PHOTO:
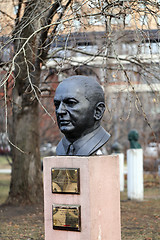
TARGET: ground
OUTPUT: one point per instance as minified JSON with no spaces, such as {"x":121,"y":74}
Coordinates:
{"x":139,"y":220}
{"x":24,"y":223}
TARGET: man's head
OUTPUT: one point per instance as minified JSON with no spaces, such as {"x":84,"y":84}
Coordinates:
{"x":79,"y":102}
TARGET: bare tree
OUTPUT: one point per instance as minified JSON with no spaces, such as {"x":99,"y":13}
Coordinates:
{"x":29,"y":37}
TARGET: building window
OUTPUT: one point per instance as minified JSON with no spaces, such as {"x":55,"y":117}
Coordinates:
{"x":128,"y":20}
{"x":15,"y":9}
{"x":77,"y":24}
{"x":116,"y":21}
{"x":143,"y":20}
{"x":76,"y":7}
{"x":93,"y":4}
{"x":60,"y":27}
{"x":97,"y":20}
{"x":60,"y":10}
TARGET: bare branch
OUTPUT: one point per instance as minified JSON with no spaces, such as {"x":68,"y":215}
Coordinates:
{"x":6,"y":14}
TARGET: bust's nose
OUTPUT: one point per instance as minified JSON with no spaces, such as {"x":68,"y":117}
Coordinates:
{"x":61,"y":109}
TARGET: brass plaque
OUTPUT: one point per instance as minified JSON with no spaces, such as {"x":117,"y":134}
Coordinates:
{"x":67,"y":217}
{"x":66,"y":180}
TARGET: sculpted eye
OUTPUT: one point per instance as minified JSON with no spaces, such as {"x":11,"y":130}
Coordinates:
{"x":56,"y":104}
{"x":71,"y":102}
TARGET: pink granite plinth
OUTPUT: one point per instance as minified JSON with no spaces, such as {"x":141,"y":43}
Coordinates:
{"x":99,"y":198}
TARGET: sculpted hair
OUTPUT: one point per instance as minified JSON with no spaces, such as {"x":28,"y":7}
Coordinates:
{"x":93,"y":90}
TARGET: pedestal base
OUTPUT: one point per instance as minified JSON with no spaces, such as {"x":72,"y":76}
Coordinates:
{"x":135,"y":187}
{"x":98,"y":201}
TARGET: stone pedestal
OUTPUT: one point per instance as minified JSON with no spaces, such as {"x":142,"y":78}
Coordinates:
{"x":121,"y":170}
{"x":99,"y":198}
{"x":135,"y":187}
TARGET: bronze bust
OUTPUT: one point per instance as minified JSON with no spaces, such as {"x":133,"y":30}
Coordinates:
{"x":79,"y":103}
{"x":133,"y":137}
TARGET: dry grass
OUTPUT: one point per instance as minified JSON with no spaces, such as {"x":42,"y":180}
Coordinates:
{"x":4,"y":187}
{"x":4,"y":163}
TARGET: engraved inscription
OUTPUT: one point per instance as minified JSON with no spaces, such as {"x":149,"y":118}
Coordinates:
{"x":65,"y":180}
{"x":67,"y":217}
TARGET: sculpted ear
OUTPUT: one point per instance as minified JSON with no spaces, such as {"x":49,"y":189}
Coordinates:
{"x":99,"y":110}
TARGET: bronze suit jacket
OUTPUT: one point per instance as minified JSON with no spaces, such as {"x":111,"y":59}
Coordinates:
{"x":85,"y":146}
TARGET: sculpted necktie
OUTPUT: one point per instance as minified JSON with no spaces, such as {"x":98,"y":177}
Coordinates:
{"x":71,"y":150}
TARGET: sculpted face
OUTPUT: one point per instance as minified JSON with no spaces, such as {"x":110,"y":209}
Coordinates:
{"x":75,"y":113}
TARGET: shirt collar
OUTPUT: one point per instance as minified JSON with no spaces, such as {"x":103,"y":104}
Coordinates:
{"x":80,"y":142}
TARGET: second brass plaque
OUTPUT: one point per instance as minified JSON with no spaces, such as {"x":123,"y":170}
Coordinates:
{"x":67,"y":217}
{"x":66,"y":180}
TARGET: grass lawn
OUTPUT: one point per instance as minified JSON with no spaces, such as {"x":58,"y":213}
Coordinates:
{"x":4,"y":163}
{"x":139,"y":220}
{"x":4,"y":187}
{"x":4,"y":179}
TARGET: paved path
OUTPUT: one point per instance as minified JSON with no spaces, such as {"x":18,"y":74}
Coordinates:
{"x":125,"y":170}
{"x":5,"y":171}
{"x":9,"y":170}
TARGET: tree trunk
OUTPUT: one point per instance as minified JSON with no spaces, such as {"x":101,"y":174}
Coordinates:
{"x":26,"y":179}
